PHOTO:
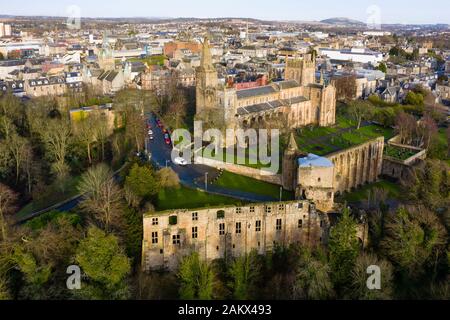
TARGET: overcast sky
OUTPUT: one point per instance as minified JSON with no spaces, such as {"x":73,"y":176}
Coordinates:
{"x":388,"y":11}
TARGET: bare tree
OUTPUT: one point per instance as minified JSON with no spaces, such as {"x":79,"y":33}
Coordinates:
{"x":360,"y":111}
{"x":405,"y":126}
{"x":102,"y":196}
{"x":18,"y":148}
{"x":55,"y":135}
{"x":7,"y":200}
{"x":86,"y":132}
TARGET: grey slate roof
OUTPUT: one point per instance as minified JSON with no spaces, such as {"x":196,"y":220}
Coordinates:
{"x":256,"y":108}
{"x":254,"y":92}
{"x":288,"y":84}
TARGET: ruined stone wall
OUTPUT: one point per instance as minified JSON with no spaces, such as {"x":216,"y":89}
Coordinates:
{"x":358,"y":165}
{"x":317,"y":184}
{"x":258,"y":174}
{"x":222,"y":233}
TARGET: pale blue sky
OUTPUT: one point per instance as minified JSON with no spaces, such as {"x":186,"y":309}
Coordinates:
{"x":392,"y":11}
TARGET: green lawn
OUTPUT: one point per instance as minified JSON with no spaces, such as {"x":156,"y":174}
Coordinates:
{"x":186,"y":198}
{"x":323,"y":141}
{"x":52,"y":196}
{"x":237,"y":182}
{"x":254,"y":163}
{"x":399,"y":153}
{"x":394,"y":192}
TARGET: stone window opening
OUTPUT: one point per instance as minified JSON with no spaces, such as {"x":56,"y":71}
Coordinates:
{"x":300,"y":223}
{"x":268,"y":209}
{"x":176,"y":239}
{"x":258,"y":226}
{"x":155,"y":221}
{"x":195,"y":216}
{"x":222,"y":229}
{"x":281,"y":207}
{"x":238,"y":210}
{"x":220,"y":214}
{"x":173,"y":220}
{"x":194,"y":232}
{"x":279,"y":224}
{"x":154,"y":237}
{"x":238,"y":228}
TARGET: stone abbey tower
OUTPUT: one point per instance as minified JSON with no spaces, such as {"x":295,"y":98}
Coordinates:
{"x":301,"y":70}
{"x":207,"y":82}
{"x":298,"y":100}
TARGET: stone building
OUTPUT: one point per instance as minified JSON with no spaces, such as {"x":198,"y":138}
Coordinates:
{"x":297,"y":101}
{"x":318,"y":179}
{"x":222,"y":233}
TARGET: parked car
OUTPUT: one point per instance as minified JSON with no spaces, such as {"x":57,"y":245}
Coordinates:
{"x":167,"y":139}
{"x":180,"y":161}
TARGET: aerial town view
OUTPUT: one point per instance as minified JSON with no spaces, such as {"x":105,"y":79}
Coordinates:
{"x":247,"y":151}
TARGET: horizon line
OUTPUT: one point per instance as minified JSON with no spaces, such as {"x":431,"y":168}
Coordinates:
{"x":207,"y":18}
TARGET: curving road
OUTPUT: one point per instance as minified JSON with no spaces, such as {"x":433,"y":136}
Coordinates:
{"x":193,"y":175}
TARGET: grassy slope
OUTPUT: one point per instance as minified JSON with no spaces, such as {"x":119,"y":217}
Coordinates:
{"x":190,"y":199}
{"x":394,"y":191}
{"x":237,"y":182}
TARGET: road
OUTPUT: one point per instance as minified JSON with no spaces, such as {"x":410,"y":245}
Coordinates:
{"x":193,"y":175}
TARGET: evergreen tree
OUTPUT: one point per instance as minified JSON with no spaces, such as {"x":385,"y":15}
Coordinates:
{"x":245,"y":272}
{"x":343,"y":249}
{"x":197,"y":279}
{"x":103,"y":260}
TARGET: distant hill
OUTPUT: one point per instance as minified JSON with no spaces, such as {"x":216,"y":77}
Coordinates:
{"x":343,"y":22}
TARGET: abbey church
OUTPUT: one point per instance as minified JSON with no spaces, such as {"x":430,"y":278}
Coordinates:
{"x":298,"y":100}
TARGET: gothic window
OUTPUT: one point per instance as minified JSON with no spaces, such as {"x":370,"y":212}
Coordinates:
{"x":194,"y":233}
{"x":258,"y":226}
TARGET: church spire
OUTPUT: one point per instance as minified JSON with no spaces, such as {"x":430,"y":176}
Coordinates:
{"x":292,"y":143}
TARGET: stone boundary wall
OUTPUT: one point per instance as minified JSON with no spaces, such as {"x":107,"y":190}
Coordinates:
{"x":257,"y":174}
